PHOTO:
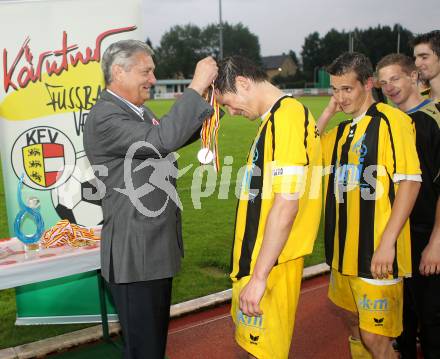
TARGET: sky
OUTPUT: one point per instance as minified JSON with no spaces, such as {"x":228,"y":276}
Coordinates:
{"x":282,"y":25}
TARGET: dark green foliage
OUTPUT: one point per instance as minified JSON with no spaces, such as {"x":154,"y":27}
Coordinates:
{"x":374,"y":42}
{"x":182,"y":46}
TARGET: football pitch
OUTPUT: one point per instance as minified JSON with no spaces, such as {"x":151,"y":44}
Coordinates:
{"x":208,"y":223}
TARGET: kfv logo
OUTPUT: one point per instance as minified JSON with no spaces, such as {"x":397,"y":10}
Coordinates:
{"x":373,"y":304}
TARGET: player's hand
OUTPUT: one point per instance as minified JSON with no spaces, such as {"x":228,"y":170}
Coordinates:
{"x":333,"y":107}
{"x":250,"y":297}
{"x":430,"y":262}
{"x":205,"y":73}
{"x":382,"y":262}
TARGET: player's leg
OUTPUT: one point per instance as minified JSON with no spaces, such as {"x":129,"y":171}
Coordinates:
{"x":358,"y":349}
{"x":379,"y":346}
{"x":380,"y":305}
{"x":270,"y":335}
{"x":341,"y":295}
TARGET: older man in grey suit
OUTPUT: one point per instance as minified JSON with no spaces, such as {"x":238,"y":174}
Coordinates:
{"x":141,"y":235}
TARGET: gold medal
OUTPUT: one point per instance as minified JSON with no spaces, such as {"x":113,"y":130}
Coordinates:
{"x":209,"y":134}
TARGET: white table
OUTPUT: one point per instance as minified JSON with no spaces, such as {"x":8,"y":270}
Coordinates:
{"x":20,"y":267}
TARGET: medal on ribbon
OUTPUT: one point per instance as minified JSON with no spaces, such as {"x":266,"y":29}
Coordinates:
{"x":209,"y":134}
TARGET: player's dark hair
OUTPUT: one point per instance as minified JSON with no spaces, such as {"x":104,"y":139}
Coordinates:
{"x":432,"y":38}
{"x":405,"y":62}
{"x":352,"y":61}
{"x":233,"y":66}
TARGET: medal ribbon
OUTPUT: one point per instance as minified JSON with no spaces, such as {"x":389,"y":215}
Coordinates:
{"x":210,"y":127}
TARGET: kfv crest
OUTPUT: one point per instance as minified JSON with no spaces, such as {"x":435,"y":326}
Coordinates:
{"x":45,"y":156}
{"x":44,"y":163}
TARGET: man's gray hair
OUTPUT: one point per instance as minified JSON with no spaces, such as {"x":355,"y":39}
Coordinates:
{"x":121,"y":53}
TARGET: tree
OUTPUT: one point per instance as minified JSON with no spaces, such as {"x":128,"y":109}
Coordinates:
{"x":375,"y":43}
{"x":179,"y":51}
{"x":333,"y":44}
{"x":311,"y":55}
{"x":382,"y":40}
{"x":182,"y":46}
{"x":295,"y":59}
{"x":237,"y":40}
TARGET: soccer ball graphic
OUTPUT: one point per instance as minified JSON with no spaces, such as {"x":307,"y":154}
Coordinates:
{"x":77,"y":200}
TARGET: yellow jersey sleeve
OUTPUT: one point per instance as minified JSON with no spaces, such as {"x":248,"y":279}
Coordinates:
{"x":293,"y":125}
{"x":404,"y":159}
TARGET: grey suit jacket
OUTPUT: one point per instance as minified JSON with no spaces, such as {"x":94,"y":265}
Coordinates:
{"x":138,"y":246}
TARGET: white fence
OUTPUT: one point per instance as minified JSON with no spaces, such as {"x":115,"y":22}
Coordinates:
{"x":308,"y":92}
{"x":167,"y":95}
{"x":294,"y":92}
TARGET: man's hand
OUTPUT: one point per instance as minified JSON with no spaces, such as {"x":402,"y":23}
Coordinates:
{"x":430,"y":262}
{"x":250,"y":297}
{"x":331,"y":109}
{"x":382,"y":262}
{"x":205,"y":73}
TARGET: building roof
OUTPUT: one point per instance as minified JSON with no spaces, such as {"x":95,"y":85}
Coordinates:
{"x":273,"y":62}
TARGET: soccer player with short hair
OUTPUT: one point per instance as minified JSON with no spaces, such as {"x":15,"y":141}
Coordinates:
{"x":427,"y":59}
{"x":278,"y":210}
{"x":397,"y":75}
{"x":371,"y":183}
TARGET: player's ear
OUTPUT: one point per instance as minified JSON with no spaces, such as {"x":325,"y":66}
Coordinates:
{"x":369,"y":84}
{"x":414,"y":77}
{"x":242,"y":82}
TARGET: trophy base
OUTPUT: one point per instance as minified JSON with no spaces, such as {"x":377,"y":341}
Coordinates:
{"x":32,"y":246}
{"x":31,"y":249}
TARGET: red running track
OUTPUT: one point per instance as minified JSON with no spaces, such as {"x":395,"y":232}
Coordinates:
{"x":319,"y":333}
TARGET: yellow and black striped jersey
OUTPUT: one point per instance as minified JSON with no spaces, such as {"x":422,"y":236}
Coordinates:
{"x":430,"y":108}
{"x":364,"y":163}
{"x":426,"y":93}
{"x":285,"y":157}
{"x":426,"y":117}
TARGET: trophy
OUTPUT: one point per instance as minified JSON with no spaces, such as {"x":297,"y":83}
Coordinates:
{"x":30,"y":211}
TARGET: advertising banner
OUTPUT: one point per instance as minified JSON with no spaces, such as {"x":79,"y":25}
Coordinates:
{"x":50,"y":78}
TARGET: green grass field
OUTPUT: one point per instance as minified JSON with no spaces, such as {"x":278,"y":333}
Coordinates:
{"x":207,"y":231}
